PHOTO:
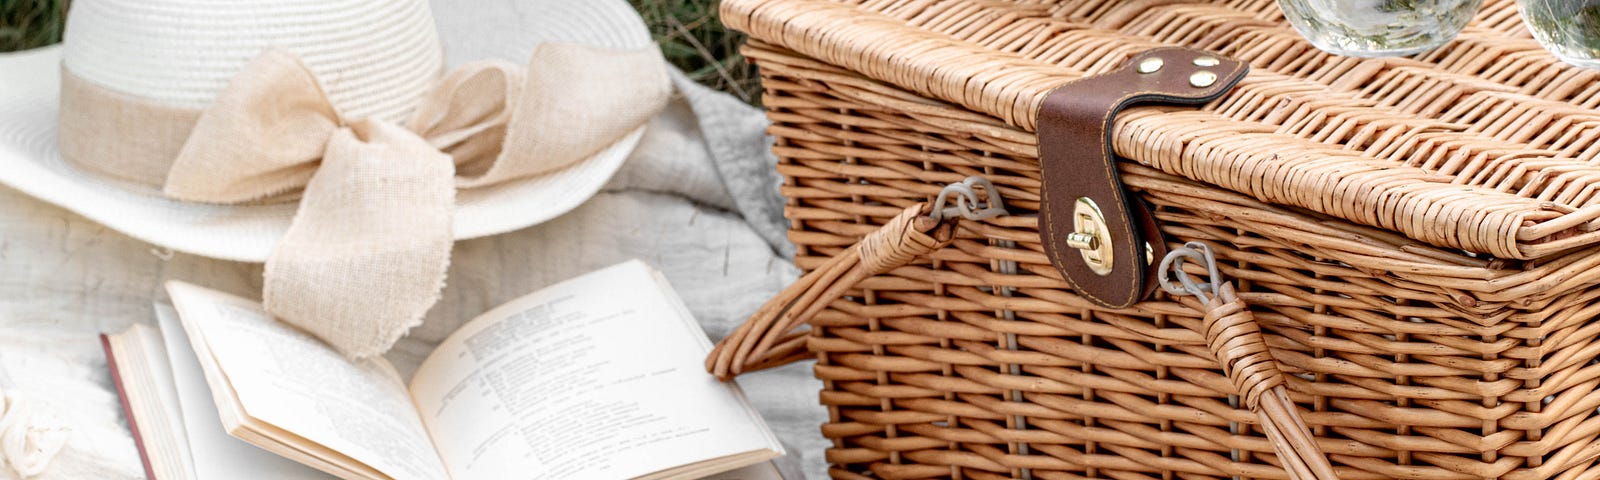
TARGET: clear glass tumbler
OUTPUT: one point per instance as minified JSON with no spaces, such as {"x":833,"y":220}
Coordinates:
{"x":1570,"y":29}
{"x":1378,"y":28}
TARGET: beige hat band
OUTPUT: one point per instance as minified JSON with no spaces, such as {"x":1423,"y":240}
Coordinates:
{"x":91,"y":113}
{"x":366,"y":253}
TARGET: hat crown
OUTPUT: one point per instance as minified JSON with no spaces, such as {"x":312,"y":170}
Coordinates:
{"x":374,"y":58}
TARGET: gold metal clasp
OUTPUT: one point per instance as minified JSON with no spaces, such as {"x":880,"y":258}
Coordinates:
{"x":1083,"y":241}
{"x":1091,"y":236}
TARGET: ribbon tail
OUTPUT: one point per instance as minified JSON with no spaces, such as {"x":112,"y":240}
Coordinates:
{"x":571,"y":102}
{"x":366,"y":254}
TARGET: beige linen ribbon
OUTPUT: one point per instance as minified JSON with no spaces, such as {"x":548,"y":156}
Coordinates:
{"x":366,"y":253}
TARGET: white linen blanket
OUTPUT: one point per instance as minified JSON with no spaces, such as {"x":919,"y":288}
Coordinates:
{"x":697,"y":201}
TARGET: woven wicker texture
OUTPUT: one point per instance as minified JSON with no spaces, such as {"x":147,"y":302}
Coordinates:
{"x":1412,"y":235}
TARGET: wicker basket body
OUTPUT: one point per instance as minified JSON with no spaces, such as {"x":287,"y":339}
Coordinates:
{"x":1412,"y":235}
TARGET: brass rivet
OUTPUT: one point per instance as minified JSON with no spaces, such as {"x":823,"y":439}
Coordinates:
{"x":1151,"y":65}
{"x":1202,"y":79}
{"x":1207,"y":61}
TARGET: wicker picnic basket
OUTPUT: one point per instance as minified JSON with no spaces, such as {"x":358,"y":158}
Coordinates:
{"x":1405,"y":246}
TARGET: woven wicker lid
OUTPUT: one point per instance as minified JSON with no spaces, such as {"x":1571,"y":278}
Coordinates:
{"x":1483,"y":145}
{"x":375,"y":58}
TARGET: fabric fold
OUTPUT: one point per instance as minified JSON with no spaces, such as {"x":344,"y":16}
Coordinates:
{"x":367,"y":251}
{"x":373,"y":229}
{"x":260,"y":137}
{"x":548,"y":130}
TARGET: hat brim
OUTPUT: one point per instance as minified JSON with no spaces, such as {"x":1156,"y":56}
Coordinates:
{"x":31,"y":163}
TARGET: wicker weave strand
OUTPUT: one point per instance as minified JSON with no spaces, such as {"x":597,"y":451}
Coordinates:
{"x":767,"y":339}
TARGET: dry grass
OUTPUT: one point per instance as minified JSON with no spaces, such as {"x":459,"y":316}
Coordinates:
{"x":27,"y":24}
{"x":692,"y":37}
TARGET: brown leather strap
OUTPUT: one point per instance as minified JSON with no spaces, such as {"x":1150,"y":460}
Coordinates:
{"x":1075,"y":156}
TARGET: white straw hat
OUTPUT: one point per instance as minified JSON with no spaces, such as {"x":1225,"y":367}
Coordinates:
{"x":368,"y":73}
{"x":109,"y":42}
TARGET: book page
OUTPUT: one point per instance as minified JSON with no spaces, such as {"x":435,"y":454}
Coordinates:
{"x":759,"y":471}
{"x":138,"y":361}
{"x":215,"y":454}
{"x":160,"y":371}
{"x":599,"y":377}
{"x":289,"y":380}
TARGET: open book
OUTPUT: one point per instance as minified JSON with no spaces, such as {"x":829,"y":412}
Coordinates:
{"x":596,"y":377}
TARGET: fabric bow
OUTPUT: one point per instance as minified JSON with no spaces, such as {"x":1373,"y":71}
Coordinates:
{"x":366,"y":254}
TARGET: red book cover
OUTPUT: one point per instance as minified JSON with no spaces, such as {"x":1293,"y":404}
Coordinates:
{"x":127,"y":410}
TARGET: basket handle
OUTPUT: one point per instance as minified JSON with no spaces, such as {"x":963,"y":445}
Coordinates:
{"x":1232,"y":334}
{"x":769,"y":338}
